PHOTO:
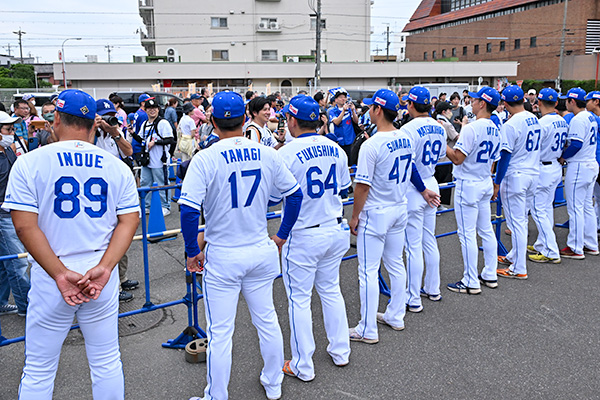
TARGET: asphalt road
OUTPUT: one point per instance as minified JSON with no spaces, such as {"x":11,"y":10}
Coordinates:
{"x":534,"y":339}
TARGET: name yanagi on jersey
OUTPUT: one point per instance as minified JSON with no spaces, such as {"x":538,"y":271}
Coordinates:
{"x":239,"y":155}
{"x":323,"y":150}
{"x":68,"y":159}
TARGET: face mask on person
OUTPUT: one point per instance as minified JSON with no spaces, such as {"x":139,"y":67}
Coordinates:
{"x":7,"y":140}
{"x":49,"y":117}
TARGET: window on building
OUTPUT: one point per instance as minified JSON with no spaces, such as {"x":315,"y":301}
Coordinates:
{"x":488,"y":48}
{"x":533,"y":41}
{"x":218,"y":22}
{"x":220,"y":55}
{"x":269,"y":55}
{"x":465,"y":50}
{"x":517,"y":44}
{"x":313,"y":53}
{"x":401,"y":50}
{"x":476,"y":49}
{"x":434,"y":54}
{"x":502,"y":45}
{"x":425,"y":56}
{"x":454,"y":52}
{"x":444,"y":53}
{"x":313,"y":23}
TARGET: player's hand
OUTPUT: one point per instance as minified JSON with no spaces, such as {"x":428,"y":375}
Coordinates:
{"x":196,"y":264}
{"x":496,"y":189}
{"x":353,"y":224}
{"x":562,"y":161}
{"x":70,"y":291}
{"x":94,"y":281}
{"x":431,"y":197}
{"x":278,"y":241}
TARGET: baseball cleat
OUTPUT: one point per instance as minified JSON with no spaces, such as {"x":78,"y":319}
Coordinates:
{"x":432,"y":297}
{"x":384,"y":322}
{"x":568,"y":253}
{"x":287,"y":369}
{"x":355,"y":337}
{"x":540,"y":258}
{"x":485,"y":282}
{"x":460,"y":287}
{"x":590,"y":251}
{"x":414,"y":309}
{"x":503,"y":260}
{"x":507,"y":273}
{"x":532,"y":250}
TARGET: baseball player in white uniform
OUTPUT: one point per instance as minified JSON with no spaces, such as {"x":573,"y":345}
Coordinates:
{"x":232,"y":181}
{"x":554,"y":134}
{"x":313,"y":252}
{"x":593,"y":105}
{"x":385,"y":168}
{"x":257,"y":130}
{"x":582,"y":171}
{"x":428,"y":140}
{"x":76,"y":209}
{"x":518,"y":171}
{"x":474,"y":155}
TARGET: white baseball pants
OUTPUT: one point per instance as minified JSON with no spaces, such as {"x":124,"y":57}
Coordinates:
{"x":473,"y":215}
{"x":312,"y":257}
{"x":542,"y":210}
{"x":514,"y":191}
{"x":381,"y":236}
{"x":579,"y":190}
{"x":421,"y":244}
{"x":49,"y":319}
{"x":251,"y":271}
{"x":597,"y":202}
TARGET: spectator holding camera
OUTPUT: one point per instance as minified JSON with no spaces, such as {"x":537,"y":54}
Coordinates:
{"x":342,"y":114}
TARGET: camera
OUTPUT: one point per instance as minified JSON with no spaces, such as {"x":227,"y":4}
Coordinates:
{"x":112,"y":121}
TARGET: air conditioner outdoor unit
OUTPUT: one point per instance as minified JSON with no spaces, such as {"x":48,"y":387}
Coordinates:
{"x":139,"y":59}
{"x":262,"y":25}
{"x":293,"y":59}
{"x":273,"y":25}
{"x":172,"y":55}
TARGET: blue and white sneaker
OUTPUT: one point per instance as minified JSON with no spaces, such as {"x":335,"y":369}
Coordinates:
{"x":414,"y":309}
{"x":460,"y":287}
{"x":432,"y":297}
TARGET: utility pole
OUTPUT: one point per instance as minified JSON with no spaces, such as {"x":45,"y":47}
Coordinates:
{"x":387,"y":46}
{"x":562,"y":48}
{"x":8,"y":48}
{"x":318,"y":45}
{"x":108,"y":48}
{"x":20,"y":33}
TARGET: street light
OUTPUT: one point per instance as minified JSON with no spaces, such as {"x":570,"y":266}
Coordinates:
{"x":63,"y":60}
{"x":596,"y":51}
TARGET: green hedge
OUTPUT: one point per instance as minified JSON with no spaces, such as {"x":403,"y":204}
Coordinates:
{"x":14,"y":83}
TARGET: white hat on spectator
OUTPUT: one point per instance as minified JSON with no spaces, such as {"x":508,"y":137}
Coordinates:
{"x":7,"y":119}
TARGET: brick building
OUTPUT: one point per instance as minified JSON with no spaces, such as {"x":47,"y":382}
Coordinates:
{"x":528,"y":31}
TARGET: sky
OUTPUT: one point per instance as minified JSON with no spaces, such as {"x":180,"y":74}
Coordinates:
{"x":116,"y":22}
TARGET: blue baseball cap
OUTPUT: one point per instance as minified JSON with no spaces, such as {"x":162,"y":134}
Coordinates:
{"x":576,"y":94}
{"x":54,"y":96}
{"x":593,"y":95}
{"x":227,"y":105}
{"x":418,"y":94}
{"x":143,"y":97}
{"x":384,"y":98}
{"x":548,"y":94}
{"x":335,"y":92}
{"x":487,"y":94}
{"x":302,"y":107}
{"x":77,"y":103}
{"x":512,"y":93}
{"x":195,"y":96}
{"x":104,"y":106}
{"x":130,"y":117}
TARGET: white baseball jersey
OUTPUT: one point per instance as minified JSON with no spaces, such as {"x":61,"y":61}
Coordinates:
{"x":521,"y":136}
{"x":106,"y":142}
{"x":428,"y":139}
{"x":480,"y":143}
{"x":321,"y":168}
{"x":584,"y":127}
{"x":385,"y":164}
{"x":77,"y":190}
{"x":266,"y":136}
{"x":233,"y":179}
{"x":554,"y":136}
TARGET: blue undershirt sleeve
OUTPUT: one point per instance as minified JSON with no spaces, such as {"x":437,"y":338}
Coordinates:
{"x":415,"y":179}
{"x":572,"y":149}
{"x":290,"y":213}
{"x":502,"y":165}
{"x":344,"y":193}
{"x":189,"y":228}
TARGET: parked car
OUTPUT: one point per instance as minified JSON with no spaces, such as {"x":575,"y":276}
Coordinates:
{"x":130,"y":101}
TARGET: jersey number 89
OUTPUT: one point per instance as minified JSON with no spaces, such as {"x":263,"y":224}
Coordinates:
{"x":73,"y":197}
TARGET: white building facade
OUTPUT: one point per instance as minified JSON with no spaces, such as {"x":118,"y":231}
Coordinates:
{"x":255,"y":30}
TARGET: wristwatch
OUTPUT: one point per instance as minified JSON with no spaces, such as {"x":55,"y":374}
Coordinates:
{"x":118,"y":137}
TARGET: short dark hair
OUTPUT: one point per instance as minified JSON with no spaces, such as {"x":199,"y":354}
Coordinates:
{"x":421,"y":108}
{"x":578,"y":103}
{"x":318,"y":96}
{"x":548,"y":103}
{"x":514,"y":103}
{"x":115,"y":98}
{"x":203,"y":91}
{"x":528,"y":106}
{"x":257,"y":104}
{"x":48,"y":103}
{"x":74,"y":121}
{"x":454,"y":95}
{"x":388,"y":115}
{"x":228,"y":125}
{"x":20,"y":101}
{"x":302,"y":124}
{"x":489,"y":107}
{"x":249,"y":94}
{"x":561,"y":105}
{"x":172,"y":101}
{"x":2,"y":108}
{"x":271,"y":98}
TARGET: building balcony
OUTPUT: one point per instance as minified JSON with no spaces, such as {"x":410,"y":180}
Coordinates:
{"x":148,"y":37}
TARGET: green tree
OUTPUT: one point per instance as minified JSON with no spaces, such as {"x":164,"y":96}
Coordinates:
{"x":23,"y":71}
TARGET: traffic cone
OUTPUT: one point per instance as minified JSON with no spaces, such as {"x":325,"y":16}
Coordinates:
{"x":156,"y":220}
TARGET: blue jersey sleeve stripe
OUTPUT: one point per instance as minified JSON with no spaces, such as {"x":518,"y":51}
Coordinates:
{"x":457,"y":147}
{"x":125,"y":208}
{"x":190,"y":203}
{"x":347,"y":185}
{"x":365,"y":181}
{"x":290,"y":191}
